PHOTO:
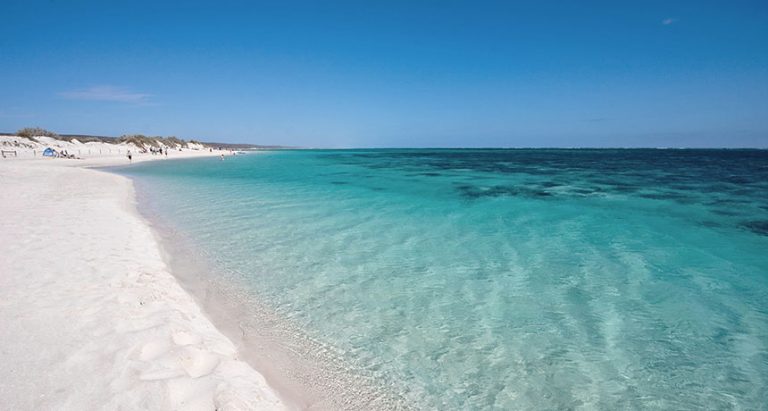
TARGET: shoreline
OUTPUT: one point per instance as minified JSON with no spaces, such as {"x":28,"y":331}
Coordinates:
{"x":93,"y":316}
{"x":305,"y":372}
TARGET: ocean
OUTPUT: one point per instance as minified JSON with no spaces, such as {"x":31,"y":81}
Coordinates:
{"x":493,"y":279}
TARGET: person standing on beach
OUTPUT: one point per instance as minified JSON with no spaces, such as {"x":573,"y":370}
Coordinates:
{"x":130,"y":157}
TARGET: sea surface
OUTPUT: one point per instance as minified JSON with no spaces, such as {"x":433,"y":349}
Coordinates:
{"x":501,"y":279}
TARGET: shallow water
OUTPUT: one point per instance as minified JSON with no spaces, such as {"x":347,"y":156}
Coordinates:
{"x":478,"y":279}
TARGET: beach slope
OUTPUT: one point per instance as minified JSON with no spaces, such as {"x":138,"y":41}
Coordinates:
{"x":90,"y":316}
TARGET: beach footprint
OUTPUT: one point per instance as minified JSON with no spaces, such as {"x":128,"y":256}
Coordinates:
{"x":198,"y":362}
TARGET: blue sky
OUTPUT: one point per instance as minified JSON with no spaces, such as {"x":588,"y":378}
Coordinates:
{"x":392,"y":73}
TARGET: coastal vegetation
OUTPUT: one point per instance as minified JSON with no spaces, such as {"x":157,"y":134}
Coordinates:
{"x":139,"y":140}
{"x":32,"y":132}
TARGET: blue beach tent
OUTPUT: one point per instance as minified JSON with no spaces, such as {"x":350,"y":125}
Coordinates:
{"x":48,"y":152}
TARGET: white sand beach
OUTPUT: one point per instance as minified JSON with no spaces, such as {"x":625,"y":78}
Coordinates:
{"x":90,"y":315}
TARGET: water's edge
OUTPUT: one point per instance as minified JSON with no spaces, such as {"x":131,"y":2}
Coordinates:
{"x":306,"y":373}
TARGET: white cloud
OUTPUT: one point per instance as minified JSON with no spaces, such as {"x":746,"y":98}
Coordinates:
{"x":106,"y":93}
{"x":668,"y":21}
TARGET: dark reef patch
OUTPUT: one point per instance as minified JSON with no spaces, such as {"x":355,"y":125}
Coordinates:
{"x":757,"y":226}
{"x":624,"y":189}
{"x":667,"y":195}
{"x":729,"y":213}
{"x":475,"y":192}
{"x":690,"y":176}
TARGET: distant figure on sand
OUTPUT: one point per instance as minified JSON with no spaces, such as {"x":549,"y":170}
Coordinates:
{"x":130,"y":157}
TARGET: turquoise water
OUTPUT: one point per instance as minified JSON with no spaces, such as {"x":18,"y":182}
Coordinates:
{"x":506,"y":279}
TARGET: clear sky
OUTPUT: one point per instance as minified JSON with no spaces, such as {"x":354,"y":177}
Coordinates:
{"x":391,"y":73}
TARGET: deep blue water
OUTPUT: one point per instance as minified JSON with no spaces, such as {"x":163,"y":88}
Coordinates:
{"x":481,"y":279}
